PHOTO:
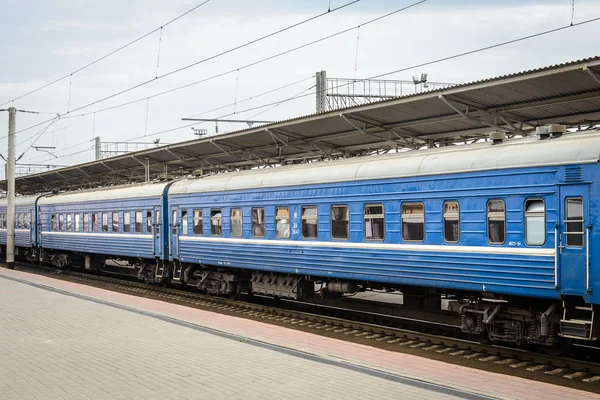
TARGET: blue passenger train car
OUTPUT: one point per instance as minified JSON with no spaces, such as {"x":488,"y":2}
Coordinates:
{"x":120,"y":222}
{"x":25,"y":224}
{"x":512,"y":223}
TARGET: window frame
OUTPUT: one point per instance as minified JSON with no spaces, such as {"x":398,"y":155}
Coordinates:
{"x":527,"y":200}
{"x":184,"y":222}
{"x":373,"y":216}
{"x":567,"y":221}
{"x":302,"y":219}
{"x":77,"y":222}
{"x":263,"y":224}
{"x":408,"y":203}
{"x":103,"y":223}
{"x":61,"y":222}
{"x":127,"y":222}
{"x":138,"y":221}
{"x":112,"y":222}
{"x":240,"y":219}
{"x":289,"y":218}
{"x":213,"y":216}
{"x":198,"y":216}
{"x":444,"y":220}
{"x":149,"y":222}
{"x":86,"y":222}
{"x":487,"y":221}
{"x":331,"y":222}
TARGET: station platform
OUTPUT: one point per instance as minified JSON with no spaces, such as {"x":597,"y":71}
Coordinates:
{"x":62,"y":340}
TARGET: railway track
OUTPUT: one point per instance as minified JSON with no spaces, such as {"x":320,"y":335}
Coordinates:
{"x":392,"y":333}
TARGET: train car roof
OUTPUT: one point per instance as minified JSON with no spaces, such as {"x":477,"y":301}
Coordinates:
{"x":145,"y":190}
{"x":571,"y":148}
{"x":20,"y":200}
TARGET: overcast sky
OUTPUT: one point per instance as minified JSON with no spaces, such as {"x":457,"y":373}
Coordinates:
{"x":43,"y":41}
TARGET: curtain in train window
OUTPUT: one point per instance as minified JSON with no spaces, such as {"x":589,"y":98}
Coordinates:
{"x":451,"y":222}
{"x":86,"y":222}
{"x":126,"y":222}
{"x":184,"y":222}
{"x":69,"y":223}
{"x":235,"y":222}
{"x":310,"y":222}
{"x":574,"y":231}
{"x":138,"y":222}
{"x":535,"y":222}
{"x":26,"y":224}
{"x":340,"y":222}
{"x":282,"y":222}
{"x":496,"y":221}
{"x":77,"y":221}
{"x":413,"y":222}
{"x":104,"y":222}
{"x":19,"y":220}
{"x":61,"y":222}
{"x":198,"y":224}
{"x":216,"y":228}
{"x":258,"y":222}
{"x":115,"y":222}
{"x":374,"y":222}
{"x":94,"y":222}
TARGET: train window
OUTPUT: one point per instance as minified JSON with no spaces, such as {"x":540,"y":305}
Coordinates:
{"x":104,"y":222}
{"x":496,"y":217}
{"x":138,"y":222}
{"x":53,"y":222}
{"x":310,"y":222}
{"x":61,"y":222}
{"x":19,"y":221}
{"x":413,"y":222}
{"x":198,"y":224}
{"x":157,"y":217}
{"x":236,"y":222}
{"x":94,"y":222}
{"x":69,"y":223}
{"x":174,"y":222}
{"x":184,"y":222}
{"x":574,"y":222}
{"x":340,"y":222}
{"x":86,"y":222}
{"x":216,"y":228}
{"x":26,"y":220}
{"x":115,"y":222}
{"x":258,"y":222}
{"x":451,"y":222}
{"x":282,"y":222}
{"x":126,"y":222}
{"x":77,"y":221}
{"x":149,"y":222}
{"x":374,"y":222}
{"x":535,"y":222}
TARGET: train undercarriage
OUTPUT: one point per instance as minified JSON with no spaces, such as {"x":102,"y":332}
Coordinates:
{"x":551,"y":325}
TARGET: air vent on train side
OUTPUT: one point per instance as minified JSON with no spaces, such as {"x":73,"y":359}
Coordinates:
{"x":573,"y":174}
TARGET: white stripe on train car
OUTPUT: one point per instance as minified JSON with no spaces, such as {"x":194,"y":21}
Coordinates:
{"x":98,"y":234}
{"x":379,"y":246}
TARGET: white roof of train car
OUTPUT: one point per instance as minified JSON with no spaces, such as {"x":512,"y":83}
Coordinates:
{"x":106,"y":193}
{"x":20,"y":201}
{"x":583,"y":147}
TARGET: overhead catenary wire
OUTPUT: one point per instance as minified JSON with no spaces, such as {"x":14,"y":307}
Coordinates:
{"x":254,"y":63}
{"x":437,"y":60}
{"x":107,"y":55}
{"x":65,"y":115}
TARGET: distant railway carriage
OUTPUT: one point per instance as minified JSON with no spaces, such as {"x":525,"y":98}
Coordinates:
{"x":506,"y":230}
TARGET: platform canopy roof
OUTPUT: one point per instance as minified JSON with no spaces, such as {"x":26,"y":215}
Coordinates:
{"x":567,"y":93}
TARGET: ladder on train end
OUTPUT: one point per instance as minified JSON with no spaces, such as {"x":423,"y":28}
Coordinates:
{"x":580,"y":322}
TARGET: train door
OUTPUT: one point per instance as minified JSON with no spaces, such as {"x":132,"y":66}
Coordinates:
{"x":574,"y":249}
{"x":156,"y":232}
{"x":31,"y":225}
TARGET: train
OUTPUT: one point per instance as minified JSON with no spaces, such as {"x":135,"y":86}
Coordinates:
{"x":504,"y":231}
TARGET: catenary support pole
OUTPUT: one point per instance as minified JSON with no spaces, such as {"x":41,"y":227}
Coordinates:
{"x":10,"y":192}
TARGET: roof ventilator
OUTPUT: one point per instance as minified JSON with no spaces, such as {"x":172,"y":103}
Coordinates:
{"x":557,"y":130}
{"x":497,"y":137}
{"x":542,"y":132}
